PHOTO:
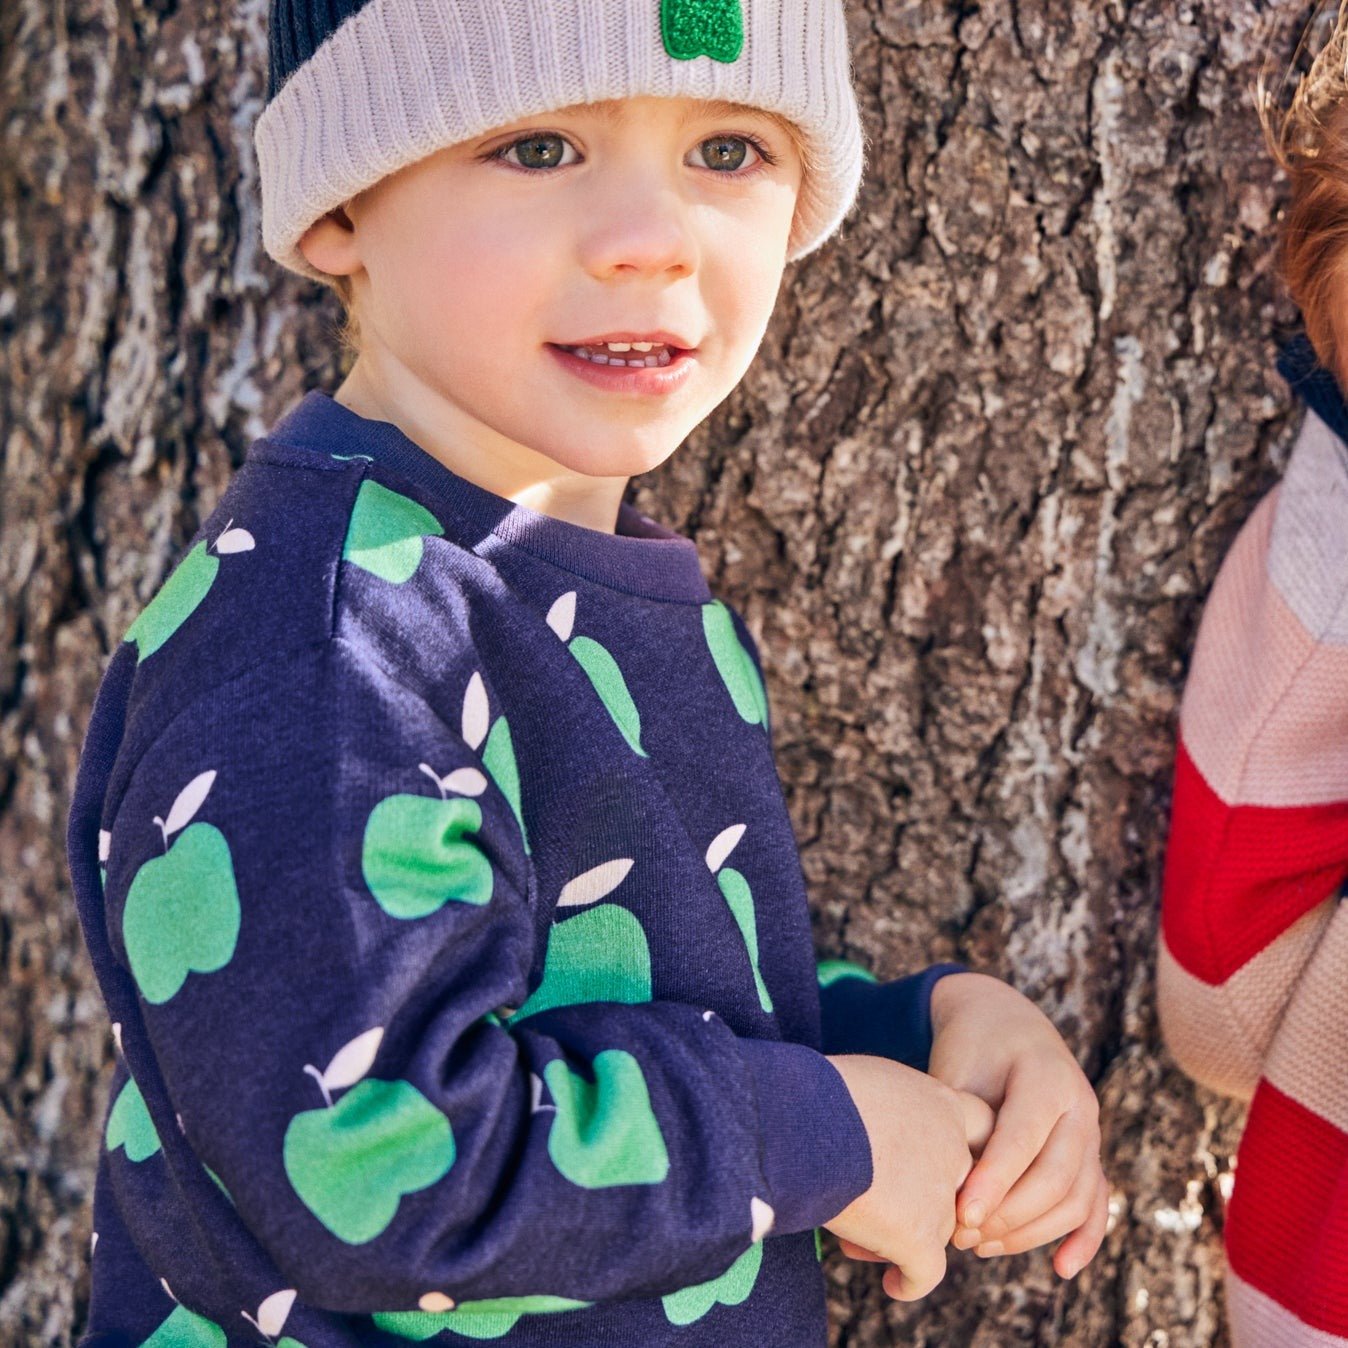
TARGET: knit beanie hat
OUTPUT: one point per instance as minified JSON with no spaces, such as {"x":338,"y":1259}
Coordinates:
{"x":358,"y":89}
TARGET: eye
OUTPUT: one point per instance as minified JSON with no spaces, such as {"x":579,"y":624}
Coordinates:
{"x":726,"y":155}
{"x":722,"y":154}
{"x":538,"y":151}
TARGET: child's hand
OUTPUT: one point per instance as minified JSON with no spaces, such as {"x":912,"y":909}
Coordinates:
{"x":1039,"y":1177}
{"x":923,"y":1137}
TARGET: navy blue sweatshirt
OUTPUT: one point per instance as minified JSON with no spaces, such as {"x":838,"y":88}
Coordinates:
{"x":434,"y":868}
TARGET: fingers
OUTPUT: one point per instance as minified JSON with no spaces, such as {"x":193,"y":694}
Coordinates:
{"x":1074,"y":1141}
{"x":1027,"y":1116}
{"x":1088,"y":1202}
{"x":917,"y":1278}
{"x":854,"y":1251}
{"x":979,"y":1121}
{"x":1081,"y":1246}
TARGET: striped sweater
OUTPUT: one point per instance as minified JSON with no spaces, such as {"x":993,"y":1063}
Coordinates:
{"x":1253,"y":954}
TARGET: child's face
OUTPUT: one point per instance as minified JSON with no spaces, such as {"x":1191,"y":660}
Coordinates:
{"x":465,"y":268}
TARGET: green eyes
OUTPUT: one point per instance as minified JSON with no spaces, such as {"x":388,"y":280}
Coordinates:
{"x":542,"y":150}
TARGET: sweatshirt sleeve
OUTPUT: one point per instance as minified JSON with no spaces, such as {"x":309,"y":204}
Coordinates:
{"x":1258,"y":845}
{"x":861,"y":1014}
{"x":321,"y":892}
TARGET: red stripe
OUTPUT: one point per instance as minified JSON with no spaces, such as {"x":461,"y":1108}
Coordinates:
{"x":1238,"y":876}
{"x":1287,"y":1222}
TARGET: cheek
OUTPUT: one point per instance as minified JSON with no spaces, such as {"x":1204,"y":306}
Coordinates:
{"x":487,"y":282}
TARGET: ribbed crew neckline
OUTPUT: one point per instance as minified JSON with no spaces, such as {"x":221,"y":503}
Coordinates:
{"x":643,"y":557}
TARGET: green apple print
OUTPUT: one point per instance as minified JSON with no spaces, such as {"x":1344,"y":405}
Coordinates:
{"x":187,"y":585}
{"x":417,"y":853}
{"x":596,"y":956}
{"x":185,"y":1329}
{"x":219,"y":1183}
{"x":712,"y":28}
{"x":130,"y":1126}
{"x":729,"y":1288}
{"x":819,"y":1244}
{"x":385,"y":532}
{"x":735,"y":665}
{"x":601,"y":669}
{"x":495,"y":745}
{"x":182,"y":909}
{"x":829,"y":971}
{"x":351,"y":1162}
{"x":605,"y":1132}
{"x":491,"y":1319}
{"x":740,"y":898}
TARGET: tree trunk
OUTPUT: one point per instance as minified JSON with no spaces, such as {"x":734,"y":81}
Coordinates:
{"x":970,"y":497}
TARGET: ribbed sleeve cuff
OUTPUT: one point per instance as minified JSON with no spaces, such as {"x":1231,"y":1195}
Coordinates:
{"x":816,"y":1154}
{"x":890,"y":1020}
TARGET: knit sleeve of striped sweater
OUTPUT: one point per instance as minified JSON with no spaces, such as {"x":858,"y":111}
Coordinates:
{"x":1252,"y":974}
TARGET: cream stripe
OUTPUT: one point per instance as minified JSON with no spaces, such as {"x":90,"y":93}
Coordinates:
{"x":1220,"y":1035}
{"x":1265,"y":709}
{"x":1309,"y":557}
{"x":1310,"y":1049}
{"x":1257,"y":1321}
{"x":358,"y":109}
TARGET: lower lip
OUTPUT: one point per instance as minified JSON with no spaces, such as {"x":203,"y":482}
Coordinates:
{"x":639,"y":379}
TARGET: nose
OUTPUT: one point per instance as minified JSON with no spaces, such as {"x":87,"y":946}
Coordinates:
{"x":638,"y":222}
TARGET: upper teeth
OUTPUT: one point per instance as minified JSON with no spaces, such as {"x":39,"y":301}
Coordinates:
{"x":631,"y":346}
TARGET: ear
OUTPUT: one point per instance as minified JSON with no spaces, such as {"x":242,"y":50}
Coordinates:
{"x":330,"y":244}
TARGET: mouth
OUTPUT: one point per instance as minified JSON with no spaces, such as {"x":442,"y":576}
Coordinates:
{"x":659,"y":370}
{"x":629,"y":351}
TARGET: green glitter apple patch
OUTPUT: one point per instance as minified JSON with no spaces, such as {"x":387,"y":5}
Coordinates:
{"x":692,"y":28}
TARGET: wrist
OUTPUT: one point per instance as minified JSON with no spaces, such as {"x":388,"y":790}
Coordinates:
{"x":949,"y":991}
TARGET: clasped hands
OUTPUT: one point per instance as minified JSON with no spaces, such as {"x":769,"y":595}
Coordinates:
{"x":1037,"y":1175}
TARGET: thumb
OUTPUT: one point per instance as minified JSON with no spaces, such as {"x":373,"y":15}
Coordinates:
{"x":978,"y":1121}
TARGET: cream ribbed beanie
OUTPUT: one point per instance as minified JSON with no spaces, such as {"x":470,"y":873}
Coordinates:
{"x":358,"y":89}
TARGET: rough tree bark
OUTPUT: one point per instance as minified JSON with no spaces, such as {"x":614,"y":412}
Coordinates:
{"x":970,"y":496}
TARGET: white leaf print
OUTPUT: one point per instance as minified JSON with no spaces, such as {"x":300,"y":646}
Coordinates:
{"x":562,"y":614}
{"x":476,"y":713}
{"x":93,"y":1244}
{"x":591,"y":885}
{"x":436,"y":1302}
{"x":763,"y":1218}
{"x":117,"y":1034}
{"x":189,"y":801}
{"x":104,"y":844}
{"x":181,"y":1127}
{"x":353,"y":1060}
{"x":466,"y":781}
{"x":722,"y":845}
{"x":536,"y":1094}
{"x":707,"y":1015}
{"x":163,"y":1282}
{"x":271,"y":1315}
{"x":235,"y":540}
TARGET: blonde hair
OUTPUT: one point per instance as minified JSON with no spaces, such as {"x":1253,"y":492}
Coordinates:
{"x":1307,"y":134}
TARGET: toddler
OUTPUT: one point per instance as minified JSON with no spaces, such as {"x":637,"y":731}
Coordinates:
{"x":1253,"y":959}
{"x":427,"y":839}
